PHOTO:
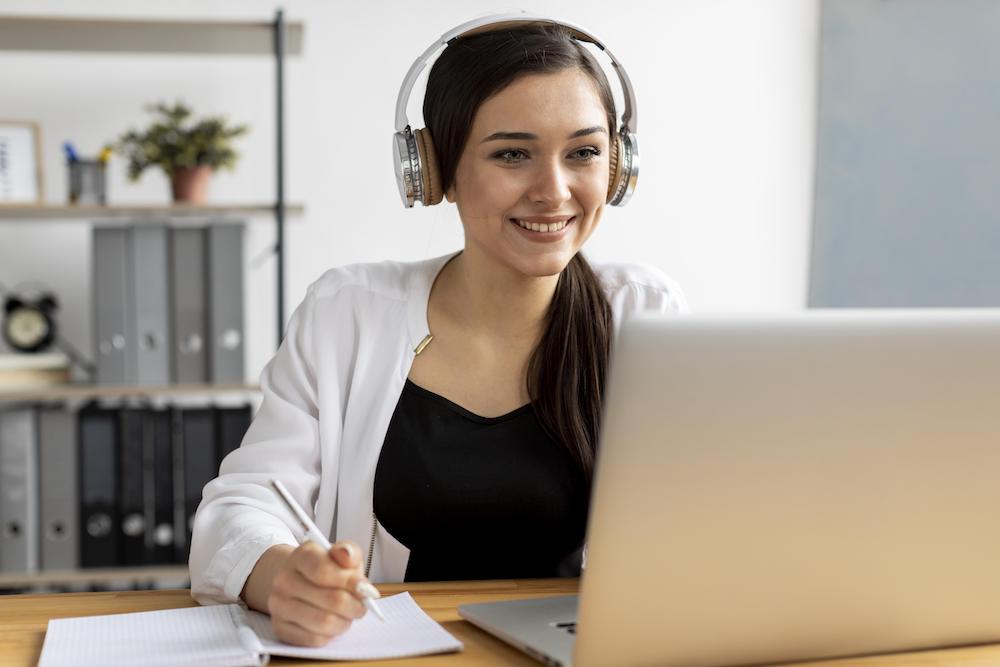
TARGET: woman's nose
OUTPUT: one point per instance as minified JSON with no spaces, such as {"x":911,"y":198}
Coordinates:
{"x":551,"y":187}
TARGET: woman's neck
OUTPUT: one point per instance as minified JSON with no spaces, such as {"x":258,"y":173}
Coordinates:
{"x":491,"y":299}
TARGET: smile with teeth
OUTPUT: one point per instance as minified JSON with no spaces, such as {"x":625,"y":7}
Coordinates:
{"x":542,"y":227}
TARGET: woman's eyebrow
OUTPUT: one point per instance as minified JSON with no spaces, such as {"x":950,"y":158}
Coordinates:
{"x":497,"y":136}
{"x":588,"y":130}
{"x":528,"y":136}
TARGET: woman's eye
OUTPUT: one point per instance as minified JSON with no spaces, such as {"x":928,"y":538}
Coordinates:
{"x":586,"y":154}
{"x":510,"y":156}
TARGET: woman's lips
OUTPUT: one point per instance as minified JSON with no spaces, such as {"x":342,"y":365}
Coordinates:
{"x":553,"y":230}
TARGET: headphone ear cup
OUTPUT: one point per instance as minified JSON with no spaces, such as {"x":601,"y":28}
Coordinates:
{"x":624,"y":164}
{"x":430,"y":174}
{"x":613,"y":165}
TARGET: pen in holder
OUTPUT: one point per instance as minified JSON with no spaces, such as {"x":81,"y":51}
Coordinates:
{"x":86,"y":177}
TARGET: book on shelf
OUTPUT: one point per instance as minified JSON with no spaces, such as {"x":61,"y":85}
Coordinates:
{"x":33,"y":370}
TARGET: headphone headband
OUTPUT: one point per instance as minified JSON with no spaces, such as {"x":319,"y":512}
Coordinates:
{"x":492,"y":22}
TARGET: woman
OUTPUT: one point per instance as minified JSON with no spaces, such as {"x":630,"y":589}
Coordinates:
{"x":441,"y":418}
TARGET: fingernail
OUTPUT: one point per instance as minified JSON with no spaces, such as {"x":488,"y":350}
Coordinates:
{"x":365,"y":589}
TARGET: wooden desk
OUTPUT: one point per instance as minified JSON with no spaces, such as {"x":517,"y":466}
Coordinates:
{"x":23,"y":619}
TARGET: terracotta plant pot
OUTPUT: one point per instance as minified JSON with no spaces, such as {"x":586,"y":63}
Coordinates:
{"x":190,"y":184}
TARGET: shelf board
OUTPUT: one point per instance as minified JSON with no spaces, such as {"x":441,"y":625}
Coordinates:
{"x":96,"y":575}
{"x":79,"y":34}
{"x":72,"y":392}
{"x":19,"y":212}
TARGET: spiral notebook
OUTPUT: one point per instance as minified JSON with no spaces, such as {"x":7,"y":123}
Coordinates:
{"x":229,"y":636}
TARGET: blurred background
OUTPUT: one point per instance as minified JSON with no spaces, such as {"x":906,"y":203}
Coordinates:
{"x":726,"y":94}
{"x":794,"y":154}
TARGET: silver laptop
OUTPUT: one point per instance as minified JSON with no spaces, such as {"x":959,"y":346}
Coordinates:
{"x":785,"y":488}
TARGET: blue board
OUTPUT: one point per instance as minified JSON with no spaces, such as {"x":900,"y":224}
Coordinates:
{"x":907,"y":209}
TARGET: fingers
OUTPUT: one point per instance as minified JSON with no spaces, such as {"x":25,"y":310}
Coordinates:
{"x":315,"y":566}
{"x":313,"y":596}
{"x":311,"y":575}
{"x":347,"y":555}
{"x":290,"y":633}
{"x":339,"y":601}
{"x":297,"y":622}
{"x":330,"y":569}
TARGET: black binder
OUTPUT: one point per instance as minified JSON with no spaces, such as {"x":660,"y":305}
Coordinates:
{"x":231,"y":425}
{"x":130,"y":499}
{"x":199,"y":463}
{"x":159,"y":491}
{"x":98,"y":484}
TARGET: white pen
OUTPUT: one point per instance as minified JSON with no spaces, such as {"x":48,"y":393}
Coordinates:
{"x":367,"y":592}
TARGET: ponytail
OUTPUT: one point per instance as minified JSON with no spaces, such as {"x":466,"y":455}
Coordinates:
{"x":567,"y":370}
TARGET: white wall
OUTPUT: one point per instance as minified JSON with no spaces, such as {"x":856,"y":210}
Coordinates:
{"x":726,"y":93}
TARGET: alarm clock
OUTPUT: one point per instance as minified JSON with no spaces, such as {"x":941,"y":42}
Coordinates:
{"x":29,"y":325}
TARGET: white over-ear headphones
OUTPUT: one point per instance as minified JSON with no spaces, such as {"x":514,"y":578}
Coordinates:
{"x":413,"y":150}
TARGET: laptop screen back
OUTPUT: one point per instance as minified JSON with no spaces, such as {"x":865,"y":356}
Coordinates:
{"x":795,"y":487}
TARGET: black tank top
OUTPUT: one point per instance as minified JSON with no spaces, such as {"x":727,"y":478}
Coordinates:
{"x":475,"y":497}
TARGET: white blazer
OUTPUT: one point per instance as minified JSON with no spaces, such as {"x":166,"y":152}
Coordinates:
{"x":328,"y":396}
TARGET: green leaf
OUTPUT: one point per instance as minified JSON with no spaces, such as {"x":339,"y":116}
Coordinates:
{"x":175,"y":139}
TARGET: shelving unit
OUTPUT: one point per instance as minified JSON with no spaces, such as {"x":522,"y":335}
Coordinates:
{"x":83,"y":392}
{"x":150,"y":574}
{"x":277,"y":39}
{"x":32,"y":33}
{"x":58,"y":212}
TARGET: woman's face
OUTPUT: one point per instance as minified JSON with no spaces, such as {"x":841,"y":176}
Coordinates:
{"x":532,"y":180}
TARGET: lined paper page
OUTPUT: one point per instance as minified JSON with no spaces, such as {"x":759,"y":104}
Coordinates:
{"x":194,"y":636}
{"x":407,"y":631}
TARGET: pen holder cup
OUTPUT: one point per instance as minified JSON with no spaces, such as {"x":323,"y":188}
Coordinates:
{"x":87,"y":182}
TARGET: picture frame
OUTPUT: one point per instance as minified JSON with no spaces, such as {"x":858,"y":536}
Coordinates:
{"x":20,"y":163}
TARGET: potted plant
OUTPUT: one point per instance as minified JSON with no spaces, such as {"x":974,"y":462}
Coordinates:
{"x":187,"y":150}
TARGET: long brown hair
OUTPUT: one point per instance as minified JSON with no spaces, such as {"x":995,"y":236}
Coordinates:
{"x":567,"y":369}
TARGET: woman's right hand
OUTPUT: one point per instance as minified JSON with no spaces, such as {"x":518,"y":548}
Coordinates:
{"x":313,"y":595}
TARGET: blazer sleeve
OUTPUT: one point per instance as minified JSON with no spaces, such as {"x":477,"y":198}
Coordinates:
{"x":240,"y":517}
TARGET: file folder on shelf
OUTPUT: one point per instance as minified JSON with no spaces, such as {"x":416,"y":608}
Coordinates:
{"x":188,"y":283}
{"x":231,"y":425}
{"x":98,"y":459}
{"x":150,"y":349}
{"x":111,"y":300}
{"x":225,"y":303}
{"x":59,"y":511}
{"x":131,"y":508}
{"x":18,"y":490}
{"x":195,"y":428}
{"x":159,"y":478}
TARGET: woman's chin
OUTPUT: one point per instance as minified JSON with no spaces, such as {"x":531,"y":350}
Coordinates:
{"x":541,"y":266}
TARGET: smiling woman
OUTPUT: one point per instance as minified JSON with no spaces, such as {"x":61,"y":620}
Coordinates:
{"x":440,"y":419}
{"x":511,"y":187}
